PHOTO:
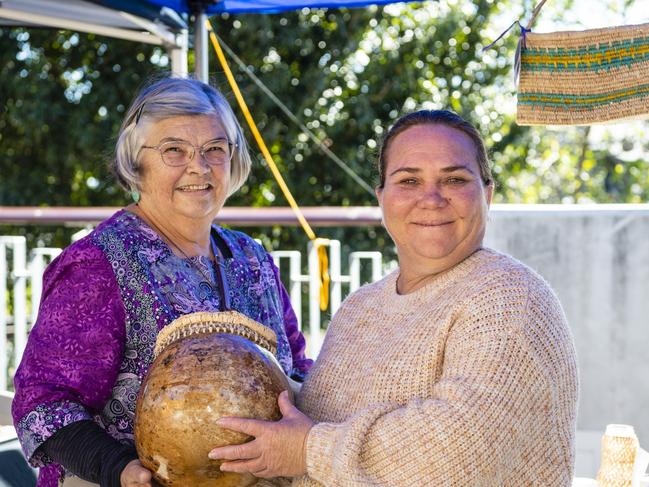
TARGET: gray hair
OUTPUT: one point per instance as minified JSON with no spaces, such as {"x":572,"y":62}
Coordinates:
{"x":174,"y":97}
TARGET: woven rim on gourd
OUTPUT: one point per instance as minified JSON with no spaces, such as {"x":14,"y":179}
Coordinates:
{"x":231,"y":322}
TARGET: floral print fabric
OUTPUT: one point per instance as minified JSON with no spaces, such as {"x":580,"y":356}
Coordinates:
{"x":105,"y":299}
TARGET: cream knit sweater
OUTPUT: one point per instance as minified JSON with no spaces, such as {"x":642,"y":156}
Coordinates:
{"x":468,"y":381}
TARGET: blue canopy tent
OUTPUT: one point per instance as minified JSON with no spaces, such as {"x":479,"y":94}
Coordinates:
{"x":162,"y":22}
{"x":212,"y":7}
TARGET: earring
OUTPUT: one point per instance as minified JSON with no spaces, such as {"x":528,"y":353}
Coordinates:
{"x":135,"y":194}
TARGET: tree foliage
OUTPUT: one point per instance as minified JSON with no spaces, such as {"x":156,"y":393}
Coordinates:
{"x":346,"y":74}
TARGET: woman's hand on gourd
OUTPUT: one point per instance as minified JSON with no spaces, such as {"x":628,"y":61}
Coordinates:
{"x":135,"y":475}
{"x":278,"y":450}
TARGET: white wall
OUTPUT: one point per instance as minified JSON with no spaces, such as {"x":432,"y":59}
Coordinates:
{"x":597,"y":260}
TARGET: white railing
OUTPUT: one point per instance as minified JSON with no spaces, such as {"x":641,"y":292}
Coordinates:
{"x":21,"y":283}
{"x":337,"y":279}
{"x":16,"y":273}
{"x":595,"y":257}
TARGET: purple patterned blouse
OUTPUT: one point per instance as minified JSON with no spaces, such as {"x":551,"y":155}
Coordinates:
{"x":105,"y":298}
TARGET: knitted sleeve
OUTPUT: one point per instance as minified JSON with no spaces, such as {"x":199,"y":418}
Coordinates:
{"x":502,"y":352}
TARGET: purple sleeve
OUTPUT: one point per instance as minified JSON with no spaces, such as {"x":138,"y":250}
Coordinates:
{"x":74,"y":350}
{"x":301,"y":364}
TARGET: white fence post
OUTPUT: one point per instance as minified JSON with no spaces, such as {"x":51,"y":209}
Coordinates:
{"x":20,"y":297}
{"x":376,"y":258}
{"x":315,"y":340}
{"x":295,"y":276}
{"x":37,"y":266}
{"x":18,"y":275}
{"x":336,"y":276}
{"x":3,"y":316}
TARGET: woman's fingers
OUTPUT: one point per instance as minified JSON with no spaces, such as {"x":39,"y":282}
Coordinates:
{"x":248,"y":426}
{"x":255,"y":467}
{"x":135,"y":475}
{"x":278,"y":448}
{"x":286,"y":407}
{"x":245,"y":451}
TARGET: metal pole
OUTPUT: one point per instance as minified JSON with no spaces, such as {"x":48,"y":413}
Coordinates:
{"x":200,"y":46}
{"x":318,"y":216}
{"x":45,"y":19}
{"x":178,"y":55}
{"x":20,"y":297}
{"x":315,"y":341}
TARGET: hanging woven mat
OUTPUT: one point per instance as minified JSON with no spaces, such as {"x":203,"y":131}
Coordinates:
{"x":584,"y":77}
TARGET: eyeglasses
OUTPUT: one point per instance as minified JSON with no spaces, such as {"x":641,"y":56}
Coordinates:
{"x":180,"y":152}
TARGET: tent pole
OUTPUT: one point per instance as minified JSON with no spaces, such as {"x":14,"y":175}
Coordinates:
{"x":178,"y":55}
{"x":51,"y":20}
{"x":200,"y":46}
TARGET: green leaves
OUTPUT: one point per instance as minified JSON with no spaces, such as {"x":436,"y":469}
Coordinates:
{"x":345,"y":74}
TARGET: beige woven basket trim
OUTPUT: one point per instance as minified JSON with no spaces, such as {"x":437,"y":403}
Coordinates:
{"x":571,"y":118}
{"x":573,"y":39}
{"x":618,"y":458}
{"x":619,"y":449}
{"x":616,"y":112}
{"x":628,"y":107}
{"x":231,"y":322}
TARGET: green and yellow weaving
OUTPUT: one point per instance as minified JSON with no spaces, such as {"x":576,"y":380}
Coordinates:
{"x":582,"y":78}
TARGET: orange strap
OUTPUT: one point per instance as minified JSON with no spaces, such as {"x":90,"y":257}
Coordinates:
{"x":322,"y":251}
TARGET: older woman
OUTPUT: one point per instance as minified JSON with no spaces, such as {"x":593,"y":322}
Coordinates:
{"x":456,"y":369}
{"x":181,"y":153}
